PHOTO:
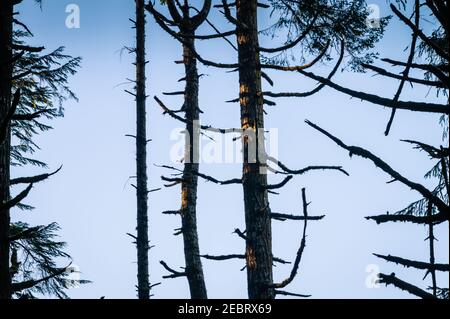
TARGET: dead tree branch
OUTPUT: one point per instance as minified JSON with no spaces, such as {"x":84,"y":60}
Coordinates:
{"x":355,"y":150}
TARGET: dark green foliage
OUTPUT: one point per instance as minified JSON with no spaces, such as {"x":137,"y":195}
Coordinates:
{"x":327,"y":22}
{"x":43,"y":80}
{"x":35,"y":252}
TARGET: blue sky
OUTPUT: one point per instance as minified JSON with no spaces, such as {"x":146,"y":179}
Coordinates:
{"x":94,"y":203}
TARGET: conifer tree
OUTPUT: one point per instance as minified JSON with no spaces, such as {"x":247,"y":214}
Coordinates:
{"x":40,"y":84}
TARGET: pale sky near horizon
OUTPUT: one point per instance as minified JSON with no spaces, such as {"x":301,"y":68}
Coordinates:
{"x":94,"y":203}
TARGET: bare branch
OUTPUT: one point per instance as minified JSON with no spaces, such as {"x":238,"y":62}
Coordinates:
{"x":384,"y":72}
{"x":23,"y":25}
{"x":238,"y":256}
{"x":174,"y":273}
{"x":279,"y":185}
{"x":442,"y":207}
{"x":302,"y":171}
{"x":375,"y":99}
{"x":298,"y":67}
{"x":403,"y":285}
{"x":227,"y":12}
{"x":220,"y":182}
{"x":431,"y":150}
{"x":171,"y":212}
{"x":283,"y":217}
{"x":317,"y":88}
{"x":238,"y":232}
{"x":198,"y":19}
{"x":424,"y":67}
{"x":174,"y":115}
{"x":223,"y":257}
{"x":407,"y":68}
{"x":435,"y":219}
{"x":176,"y":16}
{"x":33,"y":179}
{"x":293,"y":43}
{"x":286,"y":293}
{"x":300,"y":250}
{"x":419,"y":32}
{"x":160,"y":21}
{"x":414,"y":264}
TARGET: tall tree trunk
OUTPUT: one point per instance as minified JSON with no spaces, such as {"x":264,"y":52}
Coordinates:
{"x":254,"y":179}
{"x":194,"y":269}
{"x":141,"y":157}
{"x":6,"y":14}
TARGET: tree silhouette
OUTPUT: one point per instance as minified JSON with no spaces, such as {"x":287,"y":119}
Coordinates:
{"x":433,"y":208}
{"x":28,"y":253}
{"x":252,"y":68}
{"x":141,"y":239}
{"x":187,"y":24}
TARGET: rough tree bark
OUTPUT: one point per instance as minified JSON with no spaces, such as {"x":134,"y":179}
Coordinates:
{"x":194,"y":269}
{"x":257,"y":212}
{"x":142,"y":241}
{"x":188,"y":211}
{"x":6,"y":16}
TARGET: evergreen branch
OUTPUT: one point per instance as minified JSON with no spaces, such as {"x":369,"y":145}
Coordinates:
{"x":19,"y":286}
{"x":431,"y":150}
{"x":31,"y":116}
{"x":293,"y":43}
{"x":16,"y":200}
{"x":27,"y":48}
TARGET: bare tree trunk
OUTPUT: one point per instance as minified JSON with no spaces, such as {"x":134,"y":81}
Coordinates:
{"x":189,"y":181}
{"x":194,"y":270}
{"x":142,"y":242}
{"x":6,"y":14}
{"x":257,"y":211}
